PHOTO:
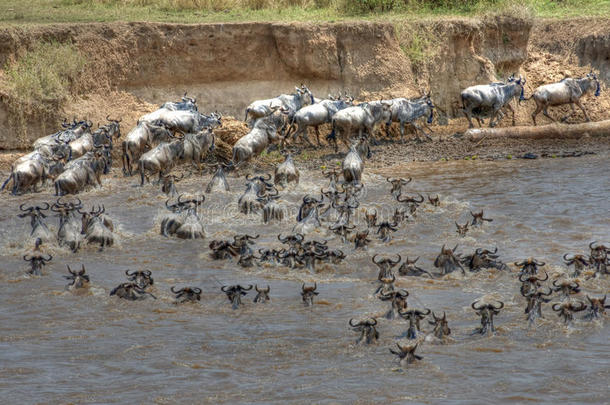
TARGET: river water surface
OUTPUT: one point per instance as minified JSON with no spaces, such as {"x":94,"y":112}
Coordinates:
{"x":57,"y":347}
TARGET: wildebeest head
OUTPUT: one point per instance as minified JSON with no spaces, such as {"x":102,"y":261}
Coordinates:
{"x":534,"y":303}
{"x":398,"y":302}
{"x":169,"y":184}
{"x":243,"y":242}
{"x":308,"y":204}
{"x":78,"y":279}
{"x":578,"y":261}
{"x":35,"y":213}
{"x":308,"y":293}
{"x":262,"y":294}
{"x":529,"y":266}
{"x":397,"y":185}
{"x":408,"y":268}
{"x":566,"y":287}
{"x":566,"y":309}
{"x":435,"y":201}
{"x":413,"y":316}
{"x":294,"y":241}
{"x":411,"y":202}
{"x":219,"y":180}
{"x":361,"y":239}
{"x":483,"y":259}
{"x":37,"y":261}
{"x":371,"y":218}
{"x":268,"y":256}
{"x":462,"y":229}
{"x":441,"y":326}
{"x":342,"y":229}
{"x":367,"y":330}
{"x":386,"y":285}
{"x":222,"y":249}
{"x":448,"y":261}
{"x":186,"y":294}
{"x":399,"y":215}
{"x":130,"y":291}
{"x":597,"y":307}
{"x":234,"y":293}
{"x":141,"y":278}
{"x":477,"y":218}
{"x":406,"y":354}
{"x":487,"y":313}
{"x":333,"y":177}
{"x":531,"y":282}
{"x":385,"y":266}
{"x":385,"y":230}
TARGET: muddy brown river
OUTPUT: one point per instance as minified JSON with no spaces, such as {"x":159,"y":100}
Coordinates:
{"x":58,"y":347}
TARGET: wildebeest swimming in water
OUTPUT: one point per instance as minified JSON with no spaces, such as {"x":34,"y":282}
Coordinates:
{"x":462,"y":229}
{"x":37,"y":259}
{"x":406,"y":354}
{"x":142,"y":278}
{"x":413,"y":316}
{"x":535,"y":299}
{"x":186,"y":294}
{"x":448,"y":261}
{"x":262,"y":295}
{"x":566,"y":309}
{"x":408,"y":268}
{"x":367,"y":330}
{"x":529,"y":266}
{"x":398,"y":302}
{"x":130,"y":292}
{"x":441,"y":326}
{"x":478,"y":219}
{"x":597,"y":308}
{"x":78,"y":279}
{"x":579,"y":262}
{"x":234,"y":294}
{"x":487,"y":313}
{"x":308,"y":293}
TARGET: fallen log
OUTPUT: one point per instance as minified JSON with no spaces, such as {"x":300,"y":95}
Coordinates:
{"x":564,"y":131}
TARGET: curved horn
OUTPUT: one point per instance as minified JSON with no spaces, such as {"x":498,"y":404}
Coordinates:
{"x":176,"y":291}
{"x":353,"y":326}
{"x":473,"y":305}
{"x":397,"y":261}
{"x":500,"y":307}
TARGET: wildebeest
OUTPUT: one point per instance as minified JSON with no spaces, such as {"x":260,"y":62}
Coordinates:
{"x":566,"y":287}
{"x":448,"y":261}
{"x":218,"y":181}
{"x":398,"y":302}
{"x":30,"y":170}
{"x":359,"y":118}
{"x":141,"y":139}
{"x":483,"y":259}
{"x":262,"y":295}
{"x":411,"y":202}
{"x":307,"y":294}
{"x":169,"y":184}
{"x":413,"y":316}
{"x":39,"y":228}
{"x":406,"y":354}
{"x":597,"y":307}
{"x":408,"y":268}
{"x":69,"y":232}
{"x":234,"y":293}
{"x":142,"y":278}
{"x":529,"y":266}
{"x":82,"y":172}
{"x":386,"y":286}
{"x":182,"y":120}
{"x":385,"y":230}
{"x":385,"y":266}
{"x":530,"y":282}
{"x":490,"y":99}
{"x":197,"y":145}
{"x":78,"y":279}
{"x":367,"y":330}
{"x":441,"y":326}
{"x":434,"y":201}
{"x":315,"y":115}
{"x":406,"y":111}
{"x":397,"y":185}
{"x":272,"y":210}
{"x":477,"y":218}
{"x":486,"y":311}
{"x":160,"y":159}
{"x":534,"y":303}
{"x":185,"y":104}
{"x":130,"y":292}
{"x":286,"y":172}
{"x":96,"y":230}
{"x":37,"y":259}
{"x":579,"y":262}
{"x":462,"y":229}
{"x":263,"y":133}
{"x":567,"y":91}
{"x":186,"y":294}
{"x":566,"y":309}
{"x":262,"y":108}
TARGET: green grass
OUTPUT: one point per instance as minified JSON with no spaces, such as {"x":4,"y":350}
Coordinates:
{"x":41,"y":80}
{"x":201,"y":11}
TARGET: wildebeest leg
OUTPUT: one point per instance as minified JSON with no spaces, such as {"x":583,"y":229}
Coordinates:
{"x":536,"y":112}
{"x":10,"y":176}
{"x":467,"y":113}
{"x":573,"y":110}
{"x":317,"y":135}
{"x":142,"y":175}
{"x":579,"y":104}
{"x":418,"y":128}
{"x":546,"y":114}
{"x":402,"y":131}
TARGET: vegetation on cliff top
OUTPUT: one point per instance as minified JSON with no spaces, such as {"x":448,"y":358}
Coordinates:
{"x":193,"y":11}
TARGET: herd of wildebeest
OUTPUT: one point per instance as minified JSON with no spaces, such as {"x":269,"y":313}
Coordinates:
{"x":76,"y":157}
